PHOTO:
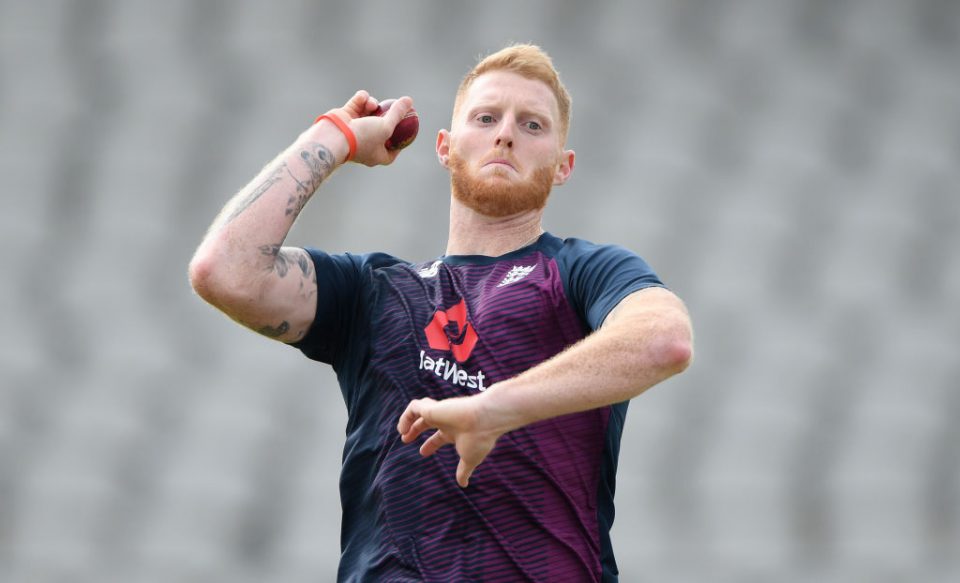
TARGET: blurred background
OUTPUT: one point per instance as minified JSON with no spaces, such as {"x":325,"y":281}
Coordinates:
{"x":791,"y":169}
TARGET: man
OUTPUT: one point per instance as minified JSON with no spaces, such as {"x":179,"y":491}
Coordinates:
{"x":519,"y":348}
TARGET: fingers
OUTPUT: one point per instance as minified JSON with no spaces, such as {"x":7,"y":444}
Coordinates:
{"x":371,"y":130}
{"x":433,"y":443}
{"x":452,"y":428}
{"x":360,"y":105}
{"x":415,"y":429}
{"x":412,"y":422}
{"x":399,"y":109}
{"x":370,"y":106}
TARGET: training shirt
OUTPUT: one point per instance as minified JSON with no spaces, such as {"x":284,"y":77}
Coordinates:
{"x":540,"y":506}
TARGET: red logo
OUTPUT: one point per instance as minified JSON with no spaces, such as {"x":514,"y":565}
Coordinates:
{"x":450,"y":331}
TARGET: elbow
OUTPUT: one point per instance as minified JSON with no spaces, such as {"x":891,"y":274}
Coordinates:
{"x":200,"y":274}
{"x":674,"y":352}
{"x":678,"y":356}
{"x":208,"y":278}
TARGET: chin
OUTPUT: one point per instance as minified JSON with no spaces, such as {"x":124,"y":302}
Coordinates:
{"x":498,"y":172}
{"x":500,"y":193}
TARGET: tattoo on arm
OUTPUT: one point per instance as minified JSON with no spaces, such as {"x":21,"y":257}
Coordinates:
{"x":303,"y":260}
{"x":283,"y":263}
{"x":284,"y":258}
{"x":320,"y":163}
{"x":301,"y":187}
{"x":272,"y":332}
{"x":257,"y":192}
{"x":308,"y":276}
{"x":279,"y":263}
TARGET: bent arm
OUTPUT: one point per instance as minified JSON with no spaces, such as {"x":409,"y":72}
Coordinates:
{"x":645,"y":340}
{"x":242,"y":267}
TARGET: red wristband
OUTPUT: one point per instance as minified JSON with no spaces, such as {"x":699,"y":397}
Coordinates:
{"x":345,"y":129}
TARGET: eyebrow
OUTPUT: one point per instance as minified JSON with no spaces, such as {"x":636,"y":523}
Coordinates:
{"x":494,"y":104}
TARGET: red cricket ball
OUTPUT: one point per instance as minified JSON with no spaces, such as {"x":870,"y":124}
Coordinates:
{"x":406,"y":130}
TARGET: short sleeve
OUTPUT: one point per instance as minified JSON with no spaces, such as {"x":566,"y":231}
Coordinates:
{"x":597,"y":277}
{"x":338,"y":286}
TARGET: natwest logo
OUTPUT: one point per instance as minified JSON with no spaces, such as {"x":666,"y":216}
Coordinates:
{"x":450,"y":331}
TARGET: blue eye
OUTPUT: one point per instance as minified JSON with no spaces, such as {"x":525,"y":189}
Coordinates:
{"x":534,"y":125}
{"x":486,"y":118}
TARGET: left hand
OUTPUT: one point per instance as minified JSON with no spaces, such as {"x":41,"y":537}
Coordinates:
{"x":457,"y":421}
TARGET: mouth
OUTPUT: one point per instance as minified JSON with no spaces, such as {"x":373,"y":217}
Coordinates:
{"x":497,"y":162}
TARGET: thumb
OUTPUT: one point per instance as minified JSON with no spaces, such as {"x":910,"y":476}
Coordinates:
{"x":464,"y":471}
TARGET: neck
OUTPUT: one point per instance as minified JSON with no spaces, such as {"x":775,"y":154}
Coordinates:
{"x":474,"y":234}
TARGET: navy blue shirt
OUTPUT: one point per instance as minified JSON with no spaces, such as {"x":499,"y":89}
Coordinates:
{"x":540,"y":507}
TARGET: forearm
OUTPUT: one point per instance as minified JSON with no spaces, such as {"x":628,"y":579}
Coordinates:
{"x":243,"y":243}
{"x":614,"y":364}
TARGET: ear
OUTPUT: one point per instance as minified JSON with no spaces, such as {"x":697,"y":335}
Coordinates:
{"x":443,"y":147}
{"x":565,"y":168}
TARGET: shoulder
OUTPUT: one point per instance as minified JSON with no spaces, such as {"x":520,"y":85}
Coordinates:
{"x":596,"y":277}
{"x":358,"y":262}
{"x":574,"y":253}
{"x":344,"y":276}
{"x":379,"y":260}
{"x":575,"y":246}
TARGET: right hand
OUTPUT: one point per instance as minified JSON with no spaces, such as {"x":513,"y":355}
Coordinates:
{"x":372,"y":131}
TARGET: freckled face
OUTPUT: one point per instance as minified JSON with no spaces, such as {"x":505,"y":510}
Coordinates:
{"x":504,"y":147}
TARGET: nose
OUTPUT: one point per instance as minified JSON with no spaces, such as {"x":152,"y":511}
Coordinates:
{"x":504,"y":137}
